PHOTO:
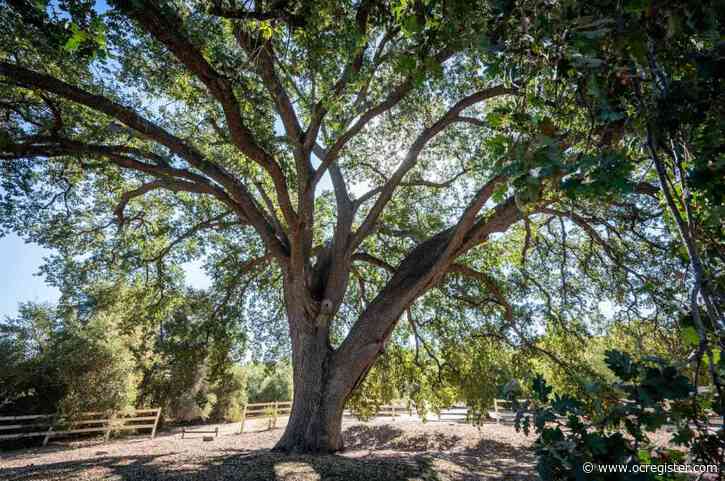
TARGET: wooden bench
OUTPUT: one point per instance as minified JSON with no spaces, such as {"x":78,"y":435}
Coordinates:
{"x":214,"y":431}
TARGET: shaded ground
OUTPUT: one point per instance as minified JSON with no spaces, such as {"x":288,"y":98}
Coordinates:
{"x":380,"y":450}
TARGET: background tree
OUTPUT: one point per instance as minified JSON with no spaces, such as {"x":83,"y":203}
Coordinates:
{"x":54,"y":365}
{"x":115,"y":352}
{"x":269,"y":382}
{"x":340,"y":165}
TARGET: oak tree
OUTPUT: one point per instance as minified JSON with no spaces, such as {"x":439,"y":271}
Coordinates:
{"x":361,"y":154}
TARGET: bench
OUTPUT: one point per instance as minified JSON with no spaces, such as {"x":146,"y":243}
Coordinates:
{"x":214,"y":431}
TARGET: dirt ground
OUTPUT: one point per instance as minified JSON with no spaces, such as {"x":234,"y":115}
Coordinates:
{"x":383,"y":450}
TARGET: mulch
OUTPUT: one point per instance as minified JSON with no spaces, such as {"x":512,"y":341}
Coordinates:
{"x":380,"y":450}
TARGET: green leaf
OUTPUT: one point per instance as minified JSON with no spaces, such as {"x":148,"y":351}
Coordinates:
{"x":621,"y":364}
{"x":79,"y":36}
{"x":690,"y":336}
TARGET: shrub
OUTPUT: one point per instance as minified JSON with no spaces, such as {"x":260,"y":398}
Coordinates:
{"x":611,"y":426}
{"x":267,"y":383}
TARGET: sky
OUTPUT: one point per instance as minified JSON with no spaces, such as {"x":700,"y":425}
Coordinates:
{"x":20,"y":263}
{"x":19,"y":281}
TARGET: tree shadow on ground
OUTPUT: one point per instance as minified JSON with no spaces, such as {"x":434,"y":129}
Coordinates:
{"x":491,"y":460}
{"x":389,"y":437}
{"x":374,"y":453}
{"x":256,"y":466}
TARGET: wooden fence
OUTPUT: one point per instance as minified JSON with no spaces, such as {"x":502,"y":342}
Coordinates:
{"x":503,"y":410}
{"x":393,"y":411}
{"x":271,"y":410}
{"x":53,"y":425}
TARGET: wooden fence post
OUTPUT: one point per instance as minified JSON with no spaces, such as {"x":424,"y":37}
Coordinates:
{"x":392,"y":411}
{"x":156,"y":423}
{"x":109,"y":426}
{"x":244,"y":417}
{"x":275,"y":411}
{"x":50,"y":430}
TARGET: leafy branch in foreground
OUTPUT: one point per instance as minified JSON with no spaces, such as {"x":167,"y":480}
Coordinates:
{"x":613,"y":423}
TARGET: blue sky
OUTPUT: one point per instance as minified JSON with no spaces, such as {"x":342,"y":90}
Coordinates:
{"x":20,"y":262}
{"x":20,"y":283}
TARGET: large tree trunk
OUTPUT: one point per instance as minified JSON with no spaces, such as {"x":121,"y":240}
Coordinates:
{"x":324,"y":378}
{"x":316,"y":418}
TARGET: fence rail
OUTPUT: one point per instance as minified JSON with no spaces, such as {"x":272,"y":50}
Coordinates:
{"x":58,"y":425}
{"x":265,"y":410}
{"x":26,"y":416}
{"x":503,"y":410}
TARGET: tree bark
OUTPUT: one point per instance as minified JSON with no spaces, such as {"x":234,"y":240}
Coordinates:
{"x":323,"y":380}
{"x":316,"y":418}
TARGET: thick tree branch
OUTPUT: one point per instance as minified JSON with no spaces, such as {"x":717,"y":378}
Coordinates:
{"x":272,"y":213}
{"x":397,"y":94}
{"x":334,"y":151}
{"x":371,"y":259}
{"x":413,"y":153}
{"x":127,"y":196}
{"x":262,"y":54}
{"x":421,"y":269}
{"x":166,"y":27}
{"x":170,"y":176}
{"x":120,"y":155}
{"x":29,"y":79}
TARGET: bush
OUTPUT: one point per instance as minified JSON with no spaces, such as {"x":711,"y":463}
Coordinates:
{"x":230,"y":395}
{"x":54,"y":362}
{"x":94,"y":375}
{"x":611,"y":426}
{"x":52,"y":366}
{"x":269,"y":382}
